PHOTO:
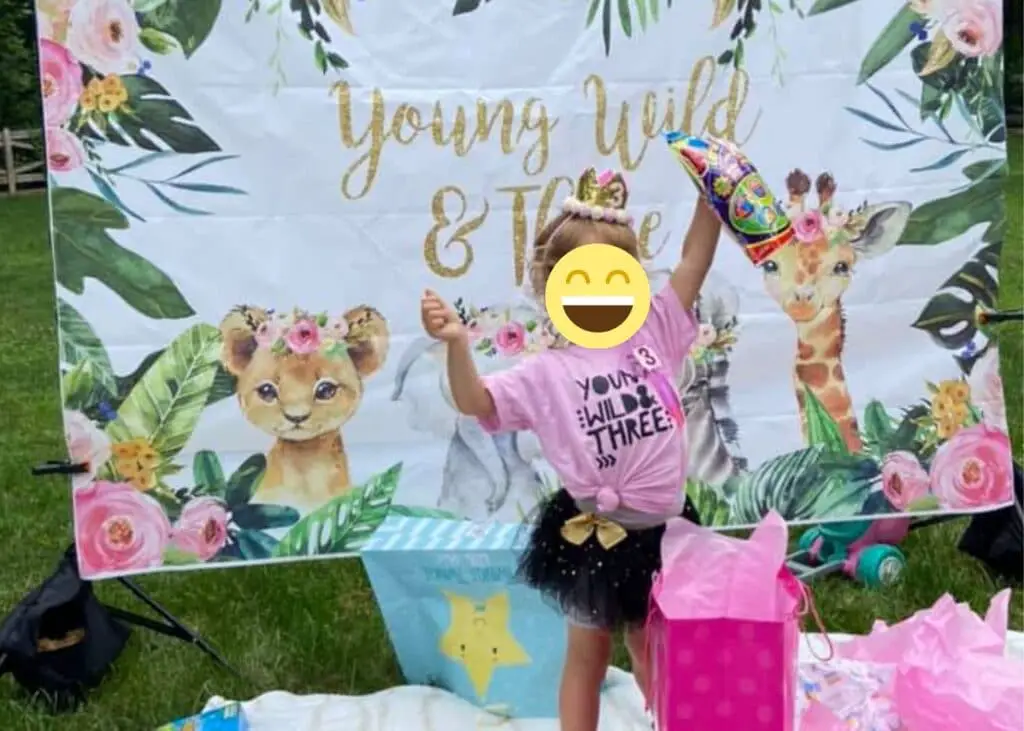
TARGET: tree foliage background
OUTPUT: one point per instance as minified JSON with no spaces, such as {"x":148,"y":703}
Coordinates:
{"x":19,"y":90}
{"x":1013,"y":40}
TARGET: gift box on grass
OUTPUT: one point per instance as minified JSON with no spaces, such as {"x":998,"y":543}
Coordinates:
{"x":229,"y":717}
{"x":459,"y":620}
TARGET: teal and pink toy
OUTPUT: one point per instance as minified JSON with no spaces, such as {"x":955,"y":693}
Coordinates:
{"x":733,"y":187}
{"x":865,"y":550}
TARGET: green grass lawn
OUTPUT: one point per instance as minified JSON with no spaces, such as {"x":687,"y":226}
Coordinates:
{"x":313,"y":627}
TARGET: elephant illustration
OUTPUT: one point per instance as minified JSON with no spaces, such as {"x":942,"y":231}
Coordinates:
{"x":485,"y":476}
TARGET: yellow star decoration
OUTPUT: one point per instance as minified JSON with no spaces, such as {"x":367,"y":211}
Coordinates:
{"x":479,"y":638}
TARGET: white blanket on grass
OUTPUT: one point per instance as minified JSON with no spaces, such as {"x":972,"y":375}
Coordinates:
{"x":417,"y":708}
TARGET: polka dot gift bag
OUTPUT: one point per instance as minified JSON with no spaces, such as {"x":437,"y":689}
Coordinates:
{"x":724,"y":629}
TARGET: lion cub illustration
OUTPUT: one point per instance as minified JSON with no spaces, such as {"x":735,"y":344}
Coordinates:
{"x":300,"y":378}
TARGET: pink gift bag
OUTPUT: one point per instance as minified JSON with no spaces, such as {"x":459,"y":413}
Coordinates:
{"x":724,"y":631}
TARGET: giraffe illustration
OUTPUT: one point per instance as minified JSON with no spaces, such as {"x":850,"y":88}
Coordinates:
{"x":808,"y":279}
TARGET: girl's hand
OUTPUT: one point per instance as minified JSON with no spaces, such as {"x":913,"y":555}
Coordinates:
{"x":440,"y":320}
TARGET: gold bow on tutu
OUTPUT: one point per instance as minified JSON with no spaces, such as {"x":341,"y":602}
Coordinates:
{"x":577,"y":530}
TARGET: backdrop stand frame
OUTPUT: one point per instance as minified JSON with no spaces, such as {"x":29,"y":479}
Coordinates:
{"x":171,"y":626}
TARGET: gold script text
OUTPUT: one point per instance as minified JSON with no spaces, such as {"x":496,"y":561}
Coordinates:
{"x":457,"y":129}
{"x":453,"y":224}
{"x":614,"y":125}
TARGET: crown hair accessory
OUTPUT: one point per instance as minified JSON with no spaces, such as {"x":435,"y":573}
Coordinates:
{"x":599,"y":197}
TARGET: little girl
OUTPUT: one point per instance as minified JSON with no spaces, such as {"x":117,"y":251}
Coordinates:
{"x":618,"y":449}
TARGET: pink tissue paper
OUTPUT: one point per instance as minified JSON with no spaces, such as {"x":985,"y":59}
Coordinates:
{"x":943,"y":668}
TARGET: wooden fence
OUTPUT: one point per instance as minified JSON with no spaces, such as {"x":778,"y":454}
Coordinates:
{"x":24,"y":168}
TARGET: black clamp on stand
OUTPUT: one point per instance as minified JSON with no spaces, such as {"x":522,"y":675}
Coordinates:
{"x":171,"y":626}
{"x":997,"y":317}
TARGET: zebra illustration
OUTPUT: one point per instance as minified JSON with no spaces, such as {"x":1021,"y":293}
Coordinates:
{"x":712,"y":433}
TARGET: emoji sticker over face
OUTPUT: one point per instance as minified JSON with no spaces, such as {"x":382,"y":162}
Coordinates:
{"x":597,"y":296}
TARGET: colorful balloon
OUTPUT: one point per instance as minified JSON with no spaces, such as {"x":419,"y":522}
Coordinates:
{"x":734,"y":188}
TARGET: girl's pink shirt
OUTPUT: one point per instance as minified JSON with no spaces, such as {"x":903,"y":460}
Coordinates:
{"x":600,"y":420}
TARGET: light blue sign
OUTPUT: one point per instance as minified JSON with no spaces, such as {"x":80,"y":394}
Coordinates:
{"x":459,"y":620}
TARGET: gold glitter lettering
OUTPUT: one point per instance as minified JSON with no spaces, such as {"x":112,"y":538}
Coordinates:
{"x":663,"y":112}
{"x":531,"y":126}
{"x":548,"y":201}
{"x":620,"y":139}
{"x":407,"y":117}
{"x":650,"y":223}
{"x":486,"y":118}
{"x":431,"y":249}
{"x":702,"y":71}
{"x":374,"y":132}
{"x":649,"y":123}
{"x":536,"y":119}
{"x":456,"y":138}
{"x":739,"y":86}
{"x":520,"y":219}
{"x":519,"y":227}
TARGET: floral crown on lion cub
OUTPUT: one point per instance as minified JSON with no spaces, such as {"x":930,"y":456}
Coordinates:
{"x":298,"y":332}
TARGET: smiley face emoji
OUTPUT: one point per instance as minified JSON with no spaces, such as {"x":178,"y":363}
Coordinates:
{"x":597,"y":296}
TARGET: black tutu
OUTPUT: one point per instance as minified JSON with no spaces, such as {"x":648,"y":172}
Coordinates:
{"x":593,"y":585}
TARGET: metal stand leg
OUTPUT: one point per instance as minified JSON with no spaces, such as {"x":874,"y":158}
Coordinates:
{"x":171,"y":626}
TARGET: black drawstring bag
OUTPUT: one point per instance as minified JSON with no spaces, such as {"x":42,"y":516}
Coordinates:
{"x":60,"y":640}
{"x":997,"y":538}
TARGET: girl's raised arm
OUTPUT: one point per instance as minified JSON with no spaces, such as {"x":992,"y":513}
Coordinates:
{"x":698,"y":251}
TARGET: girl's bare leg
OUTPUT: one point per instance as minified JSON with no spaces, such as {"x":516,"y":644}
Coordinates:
{"x":587,"y":658}
{"x":636,"y":643}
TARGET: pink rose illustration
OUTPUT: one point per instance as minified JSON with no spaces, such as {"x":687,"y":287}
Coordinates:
{"x":201,"y":530}
{"x":706,"y":335}
{"x":64,"y":151}
{"x":904,"y":480}
{"x":837,"y":218}
{"x":52,"y":16}
{"x":987,"y":389}
{"x":267,"y":333}
{"x":60,"y":77}
{"x":808,"y":226}
{"x":105,"y":35}
{"x":974,"y":27}
{"x":973,"y":469}
{"x":338,"y":328}
{"x":87,"y":444}
{"x":510,"y":339}
{"x":118,"y":528}
{"x":303,"y":337}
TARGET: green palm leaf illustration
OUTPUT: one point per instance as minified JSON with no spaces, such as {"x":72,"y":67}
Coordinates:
{"x":344,"y":524}
{"x":165,"y":405}
{"x":80,"y":344}
{"x":810,"y":484}
{"x":712,"y":507}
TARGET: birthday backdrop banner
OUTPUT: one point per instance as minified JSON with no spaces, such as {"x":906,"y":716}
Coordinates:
{"x":248,"y":199}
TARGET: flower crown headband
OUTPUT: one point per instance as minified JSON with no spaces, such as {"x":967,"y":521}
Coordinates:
{"x":599,"y":197}
{"x":837,"y":225}
{"x":302,"y":333}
